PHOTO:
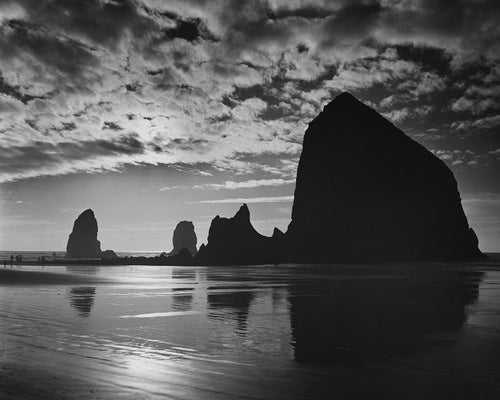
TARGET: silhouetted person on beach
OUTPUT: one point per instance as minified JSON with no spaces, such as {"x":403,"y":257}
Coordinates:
{"x":19,"y":258}
{"x":11,"y":259}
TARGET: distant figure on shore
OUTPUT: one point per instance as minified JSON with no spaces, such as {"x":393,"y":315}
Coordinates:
{"x":19,"y":258}
{"x":11,"y":259}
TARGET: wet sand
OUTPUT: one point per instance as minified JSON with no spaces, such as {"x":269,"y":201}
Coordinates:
{"x":25,"y":277}
{"x":261,"y":332}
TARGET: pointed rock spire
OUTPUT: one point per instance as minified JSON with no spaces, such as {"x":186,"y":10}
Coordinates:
{"x":82,"y":242}
{"x":243,"y":214}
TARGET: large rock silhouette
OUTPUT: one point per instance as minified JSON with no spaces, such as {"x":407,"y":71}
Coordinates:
{"x":82,"y":242}
{"x":184,"y":238}
{"x":234,"y":241}
{"x":367,"y":192}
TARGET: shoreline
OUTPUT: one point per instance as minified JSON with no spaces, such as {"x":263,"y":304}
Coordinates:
{"x":175,"y":261}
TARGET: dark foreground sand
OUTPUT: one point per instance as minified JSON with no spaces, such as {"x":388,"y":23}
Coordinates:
{"x":21,"y":382}
{"x":20,"y":277}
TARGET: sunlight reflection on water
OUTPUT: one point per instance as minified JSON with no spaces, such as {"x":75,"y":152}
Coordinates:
{"x":257,"y":332}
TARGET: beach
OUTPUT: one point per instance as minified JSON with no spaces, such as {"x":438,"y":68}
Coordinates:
{"x":283,"y":332}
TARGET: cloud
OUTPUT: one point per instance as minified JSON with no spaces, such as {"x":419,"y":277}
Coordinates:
{"x":397,"y":115}
{"x":473,"y":106}
{"x":17,"y":162}
{"x":458,"y":157}
{"x":477,"y":125}
{"x":468,"y":158}
{"x":275,"y":199}
{"x":232,"y":185}
{"x":201,"y":83}
{"x":253,"y":183}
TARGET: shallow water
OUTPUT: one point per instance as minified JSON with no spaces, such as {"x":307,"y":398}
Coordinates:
{"x":426,"y":331}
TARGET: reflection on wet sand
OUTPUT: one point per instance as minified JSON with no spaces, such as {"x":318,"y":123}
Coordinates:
{"x":184,"y":274}
{"x":230,"y":296}
{"x":261,"y":332}
{"x":182,"y":299}
{"x":82,"y":299}
{"x":233,"y":303}
{"x":182,"y":296}
{"x":83,"y":269}
{"x":365,"y":318}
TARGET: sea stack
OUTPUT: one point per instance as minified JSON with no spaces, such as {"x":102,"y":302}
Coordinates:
{"x":82,"y":242}
{"x":184,"y":238}
{"x":366,"y":192}
{"x":234,"y":241}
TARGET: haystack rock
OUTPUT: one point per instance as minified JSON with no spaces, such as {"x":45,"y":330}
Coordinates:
{"x":184,"y":238}
{"x":367,"y":192}
{"x":235,"y":241}
{"x":82,"y":242}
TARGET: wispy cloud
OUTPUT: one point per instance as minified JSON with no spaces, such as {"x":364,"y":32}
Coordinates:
{"x":252,"y":183}
{"x":231,"y":185}
{"x":248,"y":200}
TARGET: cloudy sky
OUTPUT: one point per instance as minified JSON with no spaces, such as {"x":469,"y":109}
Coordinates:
{"x":154,"y":111}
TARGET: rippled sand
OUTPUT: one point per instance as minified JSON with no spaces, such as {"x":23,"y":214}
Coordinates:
{"x":260,"y":332}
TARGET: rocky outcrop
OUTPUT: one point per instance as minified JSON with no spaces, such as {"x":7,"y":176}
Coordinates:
{"x":184,"y":257}
{"x":82,"y":242}
{"x":184,"y":238}
{"x":109,"y":255}
{"x":234,"y":241}
{"x":367,"y":192}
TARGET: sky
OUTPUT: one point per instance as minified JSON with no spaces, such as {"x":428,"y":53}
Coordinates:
{"x":151,"y":112}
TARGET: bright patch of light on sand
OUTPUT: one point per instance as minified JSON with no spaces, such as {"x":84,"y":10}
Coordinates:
{"x":164,"y":314}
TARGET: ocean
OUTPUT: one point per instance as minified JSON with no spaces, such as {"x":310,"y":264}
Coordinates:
{"x":388,"y":331}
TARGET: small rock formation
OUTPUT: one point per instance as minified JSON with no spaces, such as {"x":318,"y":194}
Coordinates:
{"x":82,"y":242}
{"x":184,"y":257}
{"x":234,"y":241}
{"x":184,"y":238}
{"x":367,"y":192}
{"x":108,"y":255}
